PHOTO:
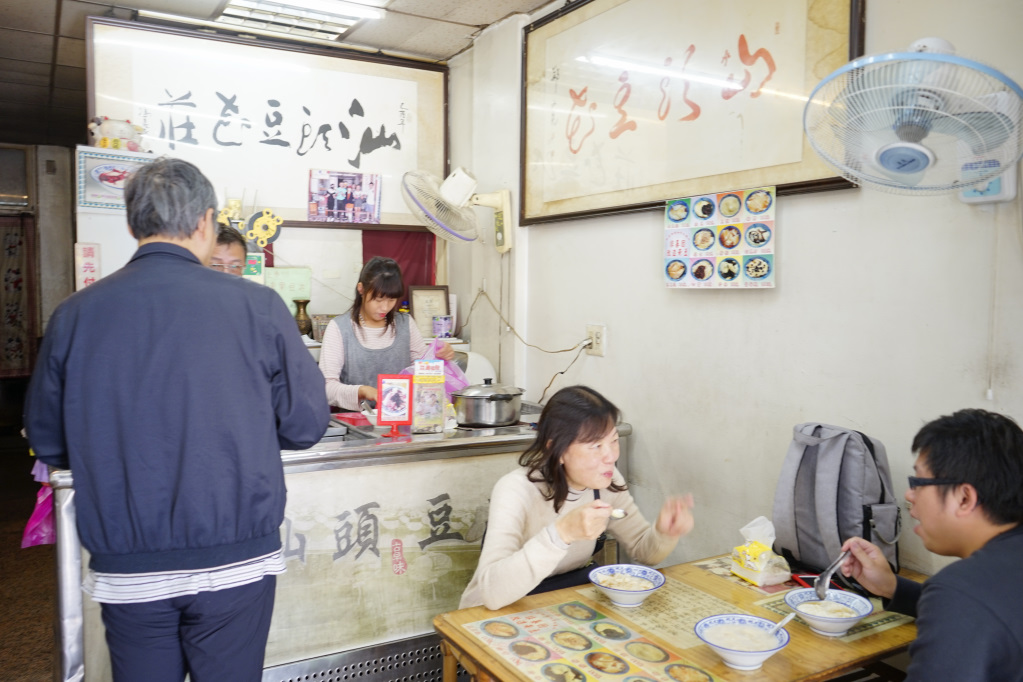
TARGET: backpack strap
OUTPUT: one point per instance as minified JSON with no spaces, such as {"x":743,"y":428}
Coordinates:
{"x":829,"y":471}
{"x":886,"y":493}
{"x":784,"y":512}
{"x":804,"y":438}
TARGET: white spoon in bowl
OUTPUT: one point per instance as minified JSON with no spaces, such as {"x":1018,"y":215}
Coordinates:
{"x":781,"y":623}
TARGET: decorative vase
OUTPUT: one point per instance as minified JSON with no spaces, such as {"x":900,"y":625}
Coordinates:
{"x":305,"y":323}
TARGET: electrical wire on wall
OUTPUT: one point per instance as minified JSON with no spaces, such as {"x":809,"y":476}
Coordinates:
{"x":483,"y":295}
{"x":582,"y":347}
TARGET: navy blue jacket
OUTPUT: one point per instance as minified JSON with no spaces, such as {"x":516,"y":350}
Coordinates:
{"x":969,"y":616}
{"x":169,"y":389}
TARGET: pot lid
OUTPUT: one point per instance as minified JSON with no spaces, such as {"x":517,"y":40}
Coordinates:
{"x":486,"y":389}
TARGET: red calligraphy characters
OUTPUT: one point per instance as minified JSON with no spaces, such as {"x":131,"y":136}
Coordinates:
{"x":574,"y":120}
{"x":749,"y":59}
{"x":398,"y":564}
{"x":621,"y":98}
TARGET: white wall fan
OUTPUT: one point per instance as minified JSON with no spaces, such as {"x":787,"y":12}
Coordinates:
{"x":446,"y":208}
{"x":920,"y":122}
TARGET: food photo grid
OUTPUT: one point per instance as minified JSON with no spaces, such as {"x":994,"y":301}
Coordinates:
{"x":723,"y":240}
{"x":573,"y":642}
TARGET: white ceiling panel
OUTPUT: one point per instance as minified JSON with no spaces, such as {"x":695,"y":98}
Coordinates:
{"x":71,"y":52}
{"x":42,"y":79}
{"x":73,"y":14}
{"x":30,"y":15}
{"x":73,"y":99}
{"x":439,"y":41}
{"x":30,"y":73}
{"x":31,"y":47}
{"x":30,"y":95}
{"x":69,"y":77}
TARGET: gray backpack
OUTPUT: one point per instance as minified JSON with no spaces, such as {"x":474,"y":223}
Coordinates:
{"x":835,"y":484}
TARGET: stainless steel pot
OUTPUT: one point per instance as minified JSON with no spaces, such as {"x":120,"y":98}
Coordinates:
{"x":487,"y":405}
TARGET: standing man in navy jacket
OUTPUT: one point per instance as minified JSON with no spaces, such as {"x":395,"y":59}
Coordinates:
{"x":169,"y":389}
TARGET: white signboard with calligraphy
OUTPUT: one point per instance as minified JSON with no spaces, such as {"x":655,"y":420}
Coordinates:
{"x":257,"y":118}
{"x":632,"y":101}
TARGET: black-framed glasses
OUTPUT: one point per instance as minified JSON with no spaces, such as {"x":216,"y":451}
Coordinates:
{"x":227,"y":268}
{"x":917,"y":481}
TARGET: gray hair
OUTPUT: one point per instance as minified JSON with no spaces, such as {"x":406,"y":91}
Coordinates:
{"x":167,"y":198}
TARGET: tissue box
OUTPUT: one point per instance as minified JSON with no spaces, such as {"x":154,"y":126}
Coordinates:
{"x":751,"y":561}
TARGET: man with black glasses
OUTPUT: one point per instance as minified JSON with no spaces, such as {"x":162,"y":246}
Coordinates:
{"x":967,"y":498}
{"x":229,"y":253}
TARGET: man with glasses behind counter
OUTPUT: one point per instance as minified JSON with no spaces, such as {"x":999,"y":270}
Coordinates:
{"x":229,"y":253}
{"x":967,"y":498}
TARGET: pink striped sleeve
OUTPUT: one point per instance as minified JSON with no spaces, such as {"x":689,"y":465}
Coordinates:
{"x":332,"y":361}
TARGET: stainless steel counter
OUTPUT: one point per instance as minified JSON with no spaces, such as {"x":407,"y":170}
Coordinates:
{"x":380,"y":535}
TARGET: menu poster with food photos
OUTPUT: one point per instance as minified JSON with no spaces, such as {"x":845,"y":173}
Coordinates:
{"x":573,"y":642}
{"x":720,"y":241}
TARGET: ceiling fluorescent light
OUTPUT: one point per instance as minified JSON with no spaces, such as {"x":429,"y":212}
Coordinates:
{"x":238,"y":24}
{"x":334,"y":10}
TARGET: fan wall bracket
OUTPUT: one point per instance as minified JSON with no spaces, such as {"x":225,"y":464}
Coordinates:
{"x":500,"y":201}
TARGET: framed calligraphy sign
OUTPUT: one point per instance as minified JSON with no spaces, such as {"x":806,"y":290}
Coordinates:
{"x":258,"y":117}
{"x":627,"y":103}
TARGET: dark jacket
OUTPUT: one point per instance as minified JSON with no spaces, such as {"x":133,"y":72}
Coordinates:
{"x":170,"y":389}
{"x":969,"y":616}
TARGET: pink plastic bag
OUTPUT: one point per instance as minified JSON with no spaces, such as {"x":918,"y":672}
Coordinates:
{"x":454,"y":378}
{"x":39,"y":529}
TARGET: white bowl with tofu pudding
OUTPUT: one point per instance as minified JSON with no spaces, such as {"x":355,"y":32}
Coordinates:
{"x":743,"y":642}
{"x":832,"y":617}
{"x":626,"y":584}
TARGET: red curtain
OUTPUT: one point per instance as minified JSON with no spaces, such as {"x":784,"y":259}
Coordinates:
{"x":414,"y":251}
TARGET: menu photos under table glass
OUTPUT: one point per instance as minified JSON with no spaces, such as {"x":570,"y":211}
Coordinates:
{"x":723,"y":240}
{"x":671,"y":612}
{"x":574,"y":642}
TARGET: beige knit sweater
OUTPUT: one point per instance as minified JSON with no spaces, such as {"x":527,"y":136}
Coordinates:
{"x":519,"y":550}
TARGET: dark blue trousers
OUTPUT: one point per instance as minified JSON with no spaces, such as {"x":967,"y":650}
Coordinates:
{"x":213,"y":636}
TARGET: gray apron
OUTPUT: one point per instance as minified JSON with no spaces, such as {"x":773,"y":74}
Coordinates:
{"x":362,"y":365}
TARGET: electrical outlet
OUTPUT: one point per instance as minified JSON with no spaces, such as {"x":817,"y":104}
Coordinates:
{"x":597,"y":334}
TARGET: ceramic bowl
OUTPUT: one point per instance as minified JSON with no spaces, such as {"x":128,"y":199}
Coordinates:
{"x":825,"y":625}
{"x":735,"y":658}
{"x":620,"y":597}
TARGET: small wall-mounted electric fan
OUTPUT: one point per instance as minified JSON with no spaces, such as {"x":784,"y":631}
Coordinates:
{"x":919,"y":122}
{"x":446,"y":208}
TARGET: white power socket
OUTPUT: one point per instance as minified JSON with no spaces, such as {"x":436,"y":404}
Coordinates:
{"x":597,"y":334}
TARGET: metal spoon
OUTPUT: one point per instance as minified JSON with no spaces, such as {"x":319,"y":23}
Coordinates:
{"x":619,"y":513}
{"x":781,"y":623}
{"x":820,"y":584}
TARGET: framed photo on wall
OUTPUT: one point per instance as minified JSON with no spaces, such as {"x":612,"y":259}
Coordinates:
{"x":100,"y":176}
{"x":628,"y":103}
{"x":424,"y":303}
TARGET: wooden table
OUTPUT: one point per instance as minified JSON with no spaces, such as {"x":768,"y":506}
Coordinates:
{"x":808,"y":656}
